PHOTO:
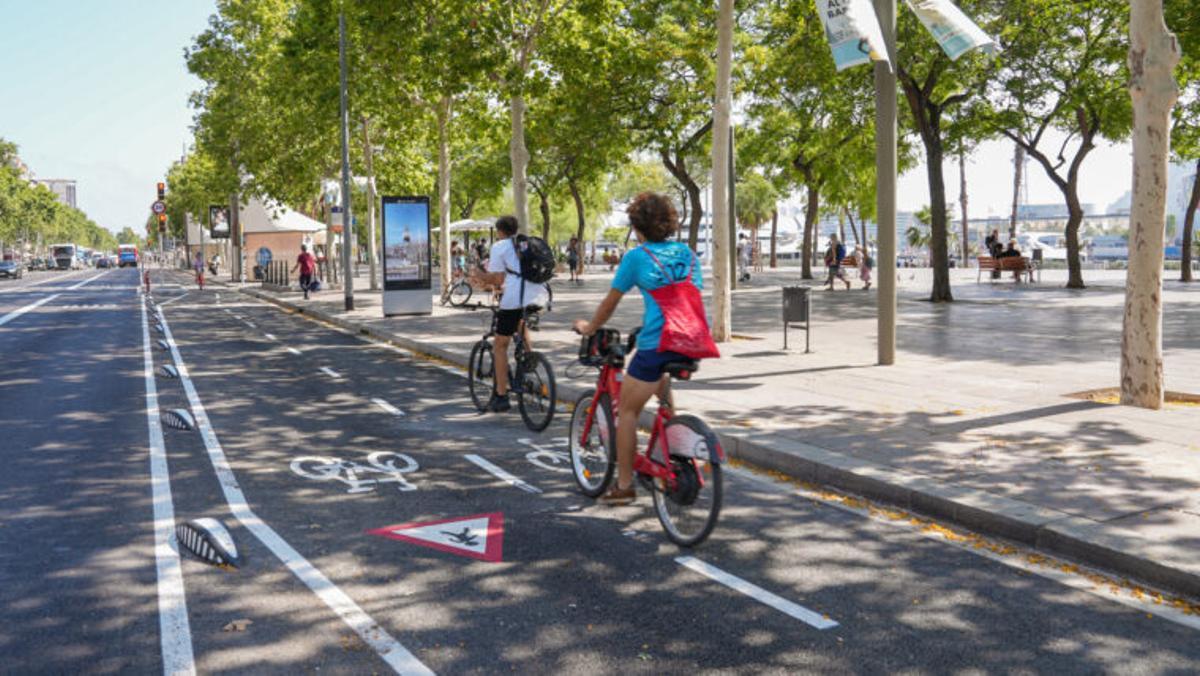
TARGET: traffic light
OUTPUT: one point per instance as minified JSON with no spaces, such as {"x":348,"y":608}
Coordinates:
{"x":162,"y":191}
{"x":162,"y":221}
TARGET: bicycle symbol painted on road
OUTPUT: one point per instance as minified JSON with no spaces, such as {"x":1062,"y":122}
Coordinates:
{"x":553,"y":456}
{"x":383,"y":467}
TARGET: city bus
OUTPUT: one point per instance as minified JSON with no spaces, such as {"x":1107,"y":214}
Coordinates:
{"x":127,"y":254}
{"x":66,"y":256}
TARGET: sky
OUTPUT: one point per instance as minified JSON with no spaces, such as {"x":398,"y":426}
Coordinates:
{"x":97,"y":91}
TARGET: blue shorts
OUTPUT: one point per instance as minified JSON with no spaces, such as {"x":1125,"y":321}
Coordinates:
{"x":648,"y":366}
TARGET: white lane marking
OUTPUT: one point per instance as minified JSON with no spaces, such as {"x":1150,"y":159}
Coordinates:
{"x":20,"y":311}
{"x":501,"y":474}
{"x":330,"y":372}
{"x":270,"y":336}
{"x":168,"y":302}
{"x":1074,"y":581}
{"x":294,"y":351}
{"x":89,"y":280}
{"x":174,"y":628}
{"x":386,"y":406}
{"x":227,"y":310}
{"x":249,"y":323}
{"x":371,"y":632}
{"x":809,"y":617}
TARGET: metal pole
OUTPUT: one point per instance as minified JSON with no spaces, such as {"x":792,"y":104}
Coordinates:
{"x":885,"y":175}
{"x":347,"y":273}
{"x":722,"y":274}
{"x":203,"y":253}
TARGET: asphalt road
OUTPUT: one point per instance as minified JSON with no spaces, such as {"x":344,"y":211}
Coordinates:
{"x":575,"y":588}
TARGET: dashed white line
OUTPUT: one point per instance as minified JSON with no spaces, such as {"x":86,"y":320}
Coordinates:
{"x":174,"y":628}
{"x":331,"y":373}
{"x":294,"y":351}
{"x":371,"y":632}
{"x":503,"y":475}
{"x":386,"y":406}
{"x":89,"y":280}
{"x":20,"y":311}
{"x":809,"y":617}
{"x":270,"y":336}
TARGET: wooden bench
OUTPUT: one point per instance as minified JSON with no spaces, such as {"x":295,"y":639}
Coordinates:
{"x":984,"y":263}
{"x":1018,"y":265}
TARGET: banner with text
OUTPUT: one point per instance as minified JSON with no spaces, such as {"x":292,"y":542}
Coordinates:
{"x":952,"y":29}
{"x":853,"y":32}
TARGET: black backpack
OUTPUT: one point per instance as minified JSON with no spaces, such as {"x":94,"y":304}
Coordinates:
{"x":537,"y":259}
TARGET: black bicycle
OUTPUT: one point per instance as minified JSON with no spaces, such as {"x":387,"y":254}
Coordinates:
{"x":532,"y":379}
{"x":457,"y":292}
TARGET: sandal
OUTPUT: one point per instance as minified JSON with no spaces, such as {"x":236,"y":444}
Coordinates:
{"x":616,"y":496}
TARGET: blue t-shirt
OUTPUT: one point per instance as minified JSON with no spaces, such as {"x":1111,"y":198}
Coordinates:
{"x":638,"y":269}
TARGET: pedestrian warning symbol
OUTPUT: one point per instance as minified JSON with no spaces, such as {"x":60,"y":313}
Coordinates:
{"x":480,"y":536}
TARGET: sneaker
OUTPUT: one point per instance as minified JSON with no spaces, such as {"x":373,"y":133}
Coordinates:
{"x":616,"y":497}
{"x":499,"y":403}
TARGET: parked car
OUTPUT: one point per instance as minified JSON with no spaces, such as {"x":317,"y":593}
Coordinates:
{"x":36,"y":263}
{"x":11,"y":268}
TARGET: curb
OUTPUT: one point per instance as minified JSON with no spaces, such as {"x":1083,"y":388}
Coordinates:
{"x":1082,"y":540}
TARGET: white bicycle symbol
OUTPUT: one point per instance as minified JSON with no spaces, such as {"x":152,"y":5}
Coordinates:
{"x":548,"y":457}
{"x":393,"y":467}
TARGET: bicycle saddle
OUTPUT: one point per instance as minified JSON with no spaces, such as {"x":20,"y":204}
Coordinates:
{"x":682,"y":368}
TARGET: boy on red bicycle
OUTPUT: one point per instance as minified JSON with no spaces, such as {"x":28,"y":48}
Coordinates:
{"x":668,"y":275}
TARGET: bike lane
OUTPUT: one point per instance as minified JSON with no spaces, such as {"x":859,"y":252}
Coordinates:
{"x":586,"y":588}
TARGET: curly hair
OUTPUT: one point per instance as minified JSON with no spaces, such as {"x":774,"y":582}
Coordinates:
{"x":654,"y":216}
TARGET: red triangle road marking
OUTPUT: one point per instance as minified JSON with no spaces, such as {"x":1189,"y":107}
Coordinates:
{"x":479,"y":536}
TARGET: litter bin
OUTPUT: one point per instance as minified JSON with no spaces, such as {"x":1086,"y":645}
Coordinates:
{"x":796,"y":309}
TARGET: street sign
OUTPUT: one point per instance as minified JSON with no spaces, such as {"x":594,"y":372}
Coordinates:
{"x":480,"y":536}
{"x":159,"y":207}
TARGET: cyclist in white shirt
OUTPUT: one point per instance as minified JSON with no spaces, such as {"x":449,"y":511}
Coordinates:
{"x":504,"y":269}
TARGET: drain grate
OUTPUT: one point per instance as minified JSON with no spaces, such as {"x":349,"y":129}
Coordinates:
{"x":209,"y":541}
{"x":179,"y":418}
{"x":169,"y":371}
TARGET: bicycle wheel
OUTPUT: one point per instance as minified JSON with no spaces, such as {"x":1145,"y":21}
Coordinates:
{"x":480,"y":371}
{"x":593,"y":458}
{"x":689,"y":510}
{"x":537,"y":396}
{"x":460,"y":293}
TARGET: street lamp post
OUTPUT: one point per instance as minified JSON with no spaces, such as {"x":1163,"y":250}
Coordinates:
{"x":347,"y":273}
{"x":885,"y":194}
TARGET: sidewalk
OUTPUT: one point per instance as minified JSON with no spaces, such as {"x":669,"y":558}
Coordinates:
{"x":972,"y":425}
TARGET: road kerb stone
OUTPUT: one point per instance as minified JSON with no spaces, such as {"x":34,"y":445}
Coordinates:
{"x":1088,"y":542}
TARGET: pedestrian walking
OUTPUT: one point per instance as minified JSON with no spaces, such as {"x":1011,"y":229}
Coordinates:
{"x":834,"y":255}
{"x":573,"y":259}
{"x":865,"y":265}
{"x":307,"y":265}
{"x":743,"y":257}
{"x":198,"y":266}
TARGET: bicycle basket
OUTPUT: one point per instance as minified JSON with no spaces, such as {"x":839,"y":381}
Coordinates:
{"x":594,"y":349}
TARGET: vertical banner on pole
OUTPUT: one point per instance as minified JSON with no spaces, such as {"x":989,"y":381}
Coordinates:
{"x":852,"y":30}
{"x":407,"y":281}
{"x":956,"y":33}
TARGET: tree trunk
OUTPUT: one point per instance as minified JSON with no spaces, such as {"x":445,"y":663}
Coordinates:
{"x":369,"y":156}
{"x":683,"y":211}
{"x":812,"y":205}
{"x":579,"y":214}
{"x":443,"y":122}
{"x":519,"y":157}
{"x":853,"y":226}
{"x":544,"y":207}
{"x":722,"y":219}
{"x":1189,"y":231}
{"x":1153,"y":53}
{"x":678,"y":169}
{"x":939,"y":255}
{"x":774,"y":233}
{"x":1074,"y":220}
{"x":842,"y":227}
{"x":1018,"y":170}
{"x":962,"y":199}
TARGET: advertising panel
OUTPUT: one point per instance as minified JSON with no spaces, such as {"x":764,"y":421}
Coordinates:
{"x":218,"y":221}
{"x":407,"y":252}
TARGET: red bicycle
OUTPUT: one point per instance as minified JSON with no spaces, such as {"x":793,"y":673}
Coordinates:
{"x":681,"y":464}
